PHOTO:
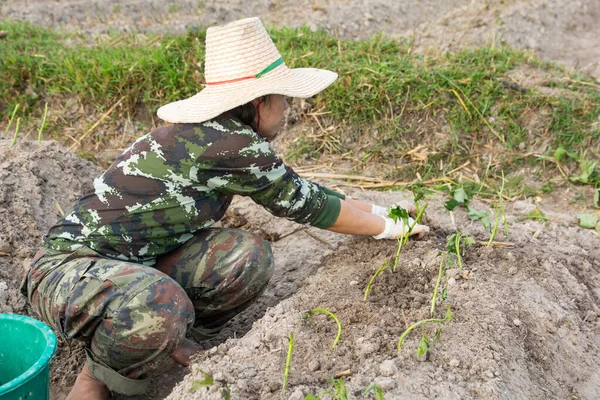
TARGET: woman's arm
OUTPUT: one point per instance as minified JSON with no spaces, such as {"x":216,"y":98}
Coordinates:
{"x":354,"y":220}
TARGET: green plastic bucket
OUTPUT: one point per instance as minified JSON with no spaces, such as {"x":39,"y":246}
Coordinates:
{"x":26,"y":347}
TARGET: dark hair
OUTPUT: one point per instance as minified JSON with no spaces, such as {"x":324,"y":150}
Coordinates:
{"x":247,"y":112}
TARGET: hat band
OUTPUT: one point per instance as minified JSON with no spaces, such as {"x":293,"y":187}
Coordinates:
{"x":268,"y":69}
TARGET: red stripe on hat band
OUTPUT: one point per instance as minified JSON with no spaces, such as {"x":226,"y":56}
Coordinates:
{"x":230,"y":81}
{"x":269,"y":68}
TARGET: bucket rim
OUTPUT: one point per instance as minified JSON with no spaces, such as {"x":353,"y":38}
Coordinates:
{"x":44,"y":358}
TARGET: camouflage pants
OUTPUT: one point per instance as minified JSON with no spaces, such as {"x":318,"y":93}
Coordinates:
{"x":133,"y":316}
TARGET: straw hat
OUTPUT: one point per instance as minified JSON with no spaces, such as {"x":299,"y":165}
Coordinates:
{"x":242,"y":64}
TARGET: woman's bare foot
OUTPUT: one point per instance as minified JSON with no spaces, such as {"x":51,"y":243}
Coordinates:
{"x":185,"y":351}
{"x":87,"y":387}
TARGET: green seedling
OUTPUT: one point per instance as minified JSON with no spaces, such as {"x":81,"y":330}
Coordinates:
{"x":440,"y":321}
{"x":499,"y":213}
{"x":480,"y":215}
{"x":14,"y":140}
{"x":198,"y":384}
{"x":536,"y":215}
{"x":501,"y":198}
{"x":494,"y":230}
{"x":311,"y":313}
{"x":288,"y":361}
{"x":453,"y":244}
{"x":376,"y":389}
{"x":379,"y":271}
{"x":425,"y":343}
{"x":459,"y":198}
{"x":43,"y":124}
{"x":340,"y":391}
{"x":11,"y":119}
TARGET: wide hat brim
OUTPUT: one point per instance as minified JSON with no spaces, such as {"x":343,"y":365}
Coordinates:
{"x":216,"y":99}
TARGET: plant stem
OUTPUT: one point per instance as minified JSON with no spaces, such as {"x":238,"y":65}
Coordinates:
{"x":502,"y":205}
{"x":397,"y":254}
{"x":288,"y":361}
{"x":14,"y":140}
{"x":495,"y":229}
{"x":416,"y":325}
{"x":437,"y":286}
{"x":43,"y":123}
{"x":11,"y":119}
{"x":379,"y":270}
{"x":457,"y":239}
{"x":337,"y":321}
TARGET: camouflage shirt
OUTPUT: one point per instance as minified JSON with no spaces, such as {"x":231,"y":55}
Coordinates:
{"x":179,"y":179}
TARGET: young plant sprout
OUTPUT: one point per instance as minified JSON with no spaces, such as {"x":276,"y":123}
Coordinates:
{"x":333,"y":316}
{"x":341,"y":393}
{"x":397,"y":213}
{"x":288,"y":361}
{"x":207,"y":381}
{"x":11,"y":119}
{"x":14,"y":140}
{"x":372,"y":280}
{"x":376,"y":389}
{"x":43,"y":124}
{"x":425,"y":342}
{"x":453,"y":244}
{"x":424,"y":322}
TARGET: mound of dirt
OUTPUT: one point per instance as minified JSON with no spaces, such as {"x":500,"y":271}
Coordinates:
{"x":525,"y":324}
{"x":526,"y":318}
{"x":37,"y":184}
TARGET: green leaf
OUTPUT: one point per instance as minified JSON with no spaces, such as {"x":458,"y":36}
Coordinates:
{"x":469,"y":241}
{"x":398,"y":213}
{"x":451,"y":243}
{"x":588,"y":173}
{"x":311,"y":397}
{"x":537,"y":215}
{"x":451,"y":204}
{"x":460,"y":195}
{"x":588,"y":220}
{"x":444,"y":295}
{"x":199,"y":384}
{"x":476,"y":215}
{"x":424,"y":345}
{"x":597,"y":198}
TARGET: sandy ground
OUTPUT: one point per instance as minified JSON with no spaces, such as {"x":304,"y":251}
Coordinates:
{"x":526,"y":317}
{"x":526,"y":320}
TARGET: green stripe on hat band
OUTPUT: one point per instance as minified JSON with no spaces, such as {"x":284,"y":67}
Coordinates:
{"x":270,"y":67}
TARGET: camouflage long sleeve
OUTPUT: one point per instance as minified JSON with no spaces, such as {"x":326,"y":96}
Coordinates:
{"x":179,"y":179}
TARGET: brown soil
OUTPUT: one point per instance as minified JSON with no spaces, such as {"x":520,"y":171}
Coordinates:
{"x":526,"y":320}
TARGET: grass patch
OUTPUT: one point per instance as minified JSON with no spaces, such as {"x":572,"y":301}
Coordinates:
{"x":420,"y":116}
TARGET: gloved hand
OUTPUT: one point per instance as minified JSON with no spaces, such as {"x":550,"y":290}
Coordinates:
{"x":395,"y":230}
{"x":383,"y":211}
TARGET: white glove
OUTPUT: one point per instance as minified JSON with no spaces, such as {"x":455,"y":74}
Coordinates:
{"x":383,"y":211}
{"x":395,"y":230}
